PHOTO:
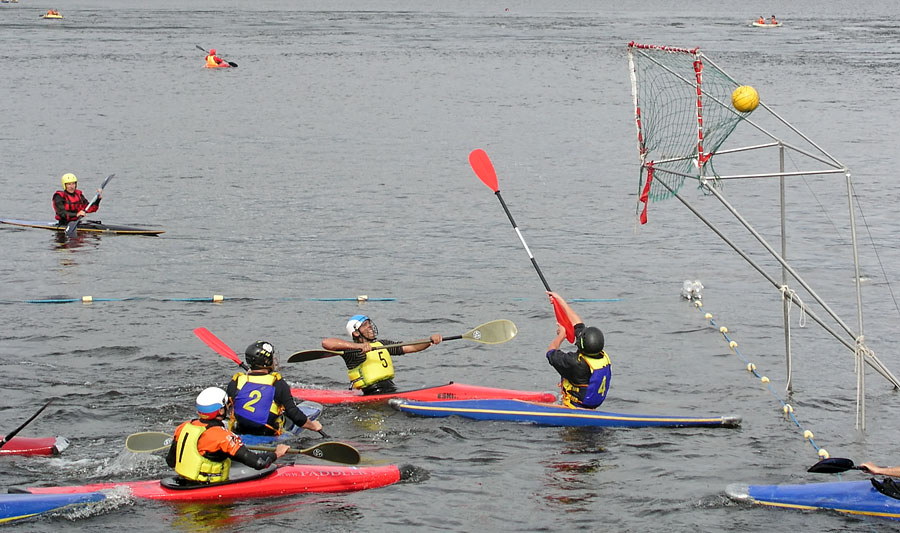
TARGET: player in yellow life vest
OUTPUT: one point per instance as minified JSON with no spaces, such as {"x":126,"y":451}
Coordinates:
{"x":370,"y":367}
{"x":585,"y":374}
{"x":214,"y":61}
{"x":203,"y":448}
{"x":261,"y":398}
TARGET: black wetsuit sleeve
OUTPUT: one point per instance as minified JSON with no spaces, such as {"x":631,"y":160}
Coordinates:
{"x":569,"y":366}
{"x":231,"y":389}
{"x":252,"y":459}
{"x":170,"y":457}
{"x":284,"y":398}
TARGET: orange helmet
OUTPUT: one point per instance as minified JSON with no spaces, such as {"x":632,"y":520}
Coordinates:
{"x":212,"y":51}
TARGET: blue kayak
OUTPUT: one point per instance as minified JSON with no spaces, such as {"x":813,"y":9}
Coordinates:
{"x":853,"y":497}
{"x":19,"y":506}
{"x":552,"y":414}
{"x":312,"y":410}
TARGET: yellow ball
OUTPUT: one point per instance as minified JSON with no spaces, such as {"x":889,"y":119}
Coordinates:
{"x":745,"y":99}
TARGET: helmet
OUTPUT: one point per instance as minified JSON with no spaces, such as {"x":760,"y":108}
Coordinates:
{"x":212,"y":51}
{"x":355,"y":322}
{"x":260,"y":354}
{"x":211,"y":400}
{"x":590,"y":342}
{"x":68,"y":178}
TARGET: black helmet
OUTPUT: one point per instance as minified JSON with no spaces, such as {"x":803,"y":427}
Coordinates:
{"x":590,"y":342}
{"x":260,"y":354}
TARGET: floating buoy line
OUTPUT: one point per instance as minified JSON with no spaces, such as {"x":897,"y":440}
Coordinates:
{"x":218,"y":298}
{"x":786,"y":408}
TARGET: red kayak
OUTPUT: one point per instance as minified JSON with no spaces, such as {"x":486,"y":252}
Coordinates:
{"x":450,"y":391}
{"x":34,"y":446}
{"x":248,"y":483}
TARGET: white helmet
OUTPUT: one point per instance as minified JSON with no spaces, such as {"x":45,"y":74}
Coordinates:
{"x":211,"y":400}
{"x":355,"y":322}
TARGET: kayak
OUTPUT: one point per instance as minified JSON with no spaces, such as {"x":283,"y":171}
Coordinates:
{"x":310,"y":409}
{"x":245,"y":483}
{"x":19,"y":506}
{"x":49,"y":16}
{"x":450,"y":391}
{"x":853,"y":497}
{"x":34,"y":446}
{"x":89,"y":226}
{"x":220,"y":65}
{"x":552,"y":414}
{"x":767,"y":25}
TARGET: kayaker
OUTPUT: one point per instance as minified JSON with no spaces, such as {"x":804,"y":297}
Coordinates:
{"x":369,"y":368}
{"x":773,"y":20}
{"x":872,"y":468}
{"x":585,"y":373}
{"x":212,"y":60}
{"x":760,"y":20}
{"x":70,"y":203}
{"x":261,"y":398}
{"x":203,"y":447}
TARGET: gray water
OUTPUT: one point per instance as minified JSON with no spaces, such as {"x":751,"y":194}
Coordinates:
{"x":333,"y":163}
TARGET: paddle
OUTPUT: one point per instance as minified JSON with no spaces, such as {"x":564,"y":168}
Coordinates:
{"x":232,"y":63}
{"x":70,"y":229}
{"x":222,"y":349}
{"x":337,"y":452}
{"x":493,"y":332}
{"x":484,"y":169}
{"x":834,"y":465}
{"x":13,"y":433}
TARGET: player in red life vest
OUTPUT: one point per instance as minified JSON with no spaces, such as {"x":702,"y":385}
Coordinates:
{"x":203,"y":447}
{"x":70,"y":203}
{"x":773,"y":20}
{"x":262,"y":398}
{"x":585,"y":374}
{"x":760,"y":20}
{"x":213,"y":61}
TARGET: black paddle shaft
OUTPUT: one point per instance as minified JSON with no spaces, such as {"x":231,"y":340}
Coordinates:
{"x":530,"y":255}
{"x":13,"y":433}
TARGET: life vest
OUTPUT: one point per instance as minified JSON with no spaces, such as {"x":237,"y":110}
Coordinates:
{"x":378,"y":366}
{"x":74,"y":202}
{"x":255,"y":399}
{"x":594,"y":392}
{"x":211,"y":61}
{"x":190,"y":463}
{"x":761,"y":20}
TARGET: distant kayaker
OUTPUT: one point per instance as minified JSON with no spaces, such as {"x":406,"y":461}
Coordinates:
{"x":203,"y":447}
{"x":212,"y":60}
{"x":761,"y":20}
{"x":70,"y":203}
{"x":368,"y":367}
{"x":261,"y":398}
{"x":773,"y":20}
{"x":585,"y":373}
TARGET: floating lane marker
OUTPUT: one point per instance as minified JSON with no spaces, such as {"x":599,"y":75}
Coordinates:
{"x":786,"y":408}
{"x":215,"y":298}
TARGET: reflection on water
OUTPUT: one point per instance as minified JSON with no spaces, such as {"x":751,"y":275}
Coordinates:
{"x":203,"y":516}
{"x":80,"y":240}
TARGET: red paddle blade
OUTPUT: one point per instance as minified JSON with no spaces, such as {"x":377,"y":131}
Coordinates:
{"x":216,"y":344}
{"x":483,"y":168}
{"x":563,"y":319}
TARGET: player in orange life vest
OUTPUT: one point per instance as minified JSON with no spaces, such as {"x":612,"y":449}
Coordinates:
{"x":773,"y":20}
{"x":369,"y":366}
{"x":760,"y":20}
{"x":212,"y":60}
{"x":70,"y":203}
{"x":585,"y":374}
{"x":261,"y":398}
{"x":203,"y":448}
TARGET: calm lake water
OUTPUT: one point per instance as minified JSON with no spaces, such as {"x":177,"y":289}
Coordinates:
{"x":333,"y":163}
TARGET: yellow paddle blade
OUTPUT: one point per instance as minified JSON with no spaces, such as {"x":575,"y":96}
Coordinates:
{"x":494,"y":332}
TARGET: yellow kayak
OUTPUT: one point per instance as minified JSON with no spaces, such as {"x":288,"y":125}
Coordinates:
{"x":49,"y":16}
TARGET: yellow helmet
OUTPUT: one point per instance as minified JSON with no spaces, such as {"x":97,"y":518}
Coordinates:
{"x":68,"y":178}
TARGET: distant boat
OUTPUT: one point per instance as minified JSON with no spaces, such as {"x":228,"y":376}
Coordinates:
{"x":766,"y":25}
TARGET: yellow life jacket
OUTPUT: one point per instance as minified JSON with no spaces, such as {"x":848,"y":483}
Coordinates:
{"x":591,"y":394}
{"x":191,"y":465}
{"x":251,"y":404}
{"x":211,"y":61}
{"x":378,"y":366}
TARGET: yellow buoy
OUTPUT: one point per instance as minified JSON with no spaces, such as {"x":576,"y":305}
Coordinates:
{"x":745,"y":99}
